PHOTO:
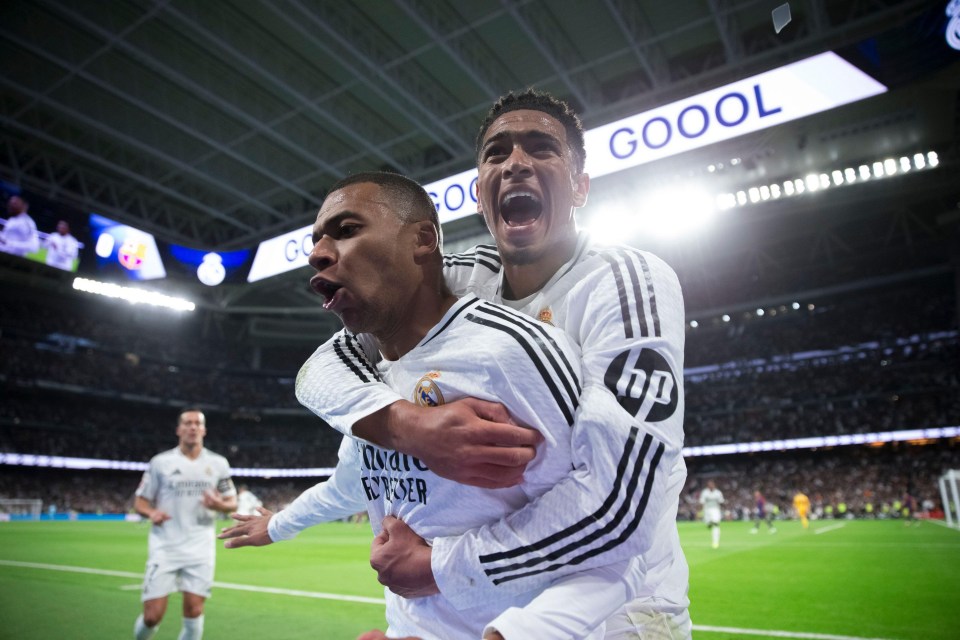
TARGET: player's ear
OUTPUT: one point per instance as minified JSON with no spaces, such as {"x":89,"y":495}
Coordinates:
{"x":581,"y":187}
{"x":427,"y":238}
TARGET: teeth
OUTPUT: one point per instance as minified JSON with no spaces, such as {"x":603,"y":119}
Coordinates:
{"x":519,"y":194}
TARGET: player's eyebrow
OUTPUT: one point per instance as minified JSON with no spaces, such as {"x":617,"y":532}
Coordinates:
{"x":329,"y":223}
{"x":528,"y":134}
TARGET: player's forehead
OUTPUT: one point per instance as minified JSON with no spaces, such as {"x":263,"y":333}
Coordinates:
{"x":525,"y":122}
{"x":192,"y":417}
{"x":361,"y":199}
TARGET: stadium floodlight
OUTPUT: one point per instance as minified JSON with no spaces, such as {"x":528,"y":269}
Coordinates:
{"x":132,"y":294}
{"x":664,"y":214}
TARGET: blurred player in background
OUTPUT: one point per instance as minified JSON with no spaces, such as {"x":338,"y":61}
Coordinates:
{"x":62,"y":247}
{"x":801,"y":504}
{"x":247,"y":501}
{"x":19,"y":236}
{"x":711,"y":498}
{"x":762,"y":513}
{"x":179,"y":493}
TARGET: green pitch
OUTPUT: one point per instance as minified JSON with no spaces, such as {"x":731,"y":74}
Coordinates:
{"x":877,"y":579}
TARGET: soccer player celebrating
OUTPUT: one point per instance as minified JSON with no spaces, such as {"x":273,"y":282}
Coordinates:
{"x":380,"y":269}
{"x":179,"y":493}
{"x":624,"y":308}
{"x":711,"y":498}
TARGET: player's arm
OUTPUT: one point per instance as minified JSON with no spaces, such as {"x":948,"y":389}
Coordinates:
{"x":143,"y":506}
{"x":338,"y":497}
{"x":469,"y":441}
{"x":626,"y":439}
{"x":571,"y":607}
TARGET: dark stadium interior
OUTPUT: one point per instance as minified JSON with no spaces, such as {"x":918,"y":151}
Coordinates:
{"x":220,"y":125}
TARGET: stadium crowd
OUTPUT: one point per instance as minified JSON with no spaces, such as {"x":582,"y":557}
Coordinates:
{"x":98,"y":383}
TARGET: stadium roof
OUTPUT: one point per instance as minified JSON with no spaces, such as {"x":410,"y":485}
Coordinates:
{"x":220,"y":124}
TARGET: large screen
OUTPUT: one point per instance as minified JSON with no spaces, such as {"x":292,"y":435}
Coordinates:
{"x":125,"y":250}
{"x":37,"y":230}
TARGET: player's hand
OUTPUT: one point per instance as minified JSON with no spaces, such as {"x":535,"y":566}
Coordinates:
{"x":469,"y":441}
{"x":158,"y":517}
{"x":401,"y":559}
{"x":211,"y":499}
{"x":250,"y":532}
{"x":376,"y":634}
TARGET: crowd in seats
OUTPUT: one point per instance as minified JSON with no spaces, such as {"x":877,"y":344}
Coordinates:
{"x":853,"y":476}
{"x":106,"y":381}
{"x":102,"y":492}
{"x":71,"y":425}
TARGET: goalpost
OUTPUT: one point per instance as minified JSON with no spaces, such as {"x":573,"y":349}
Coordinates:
{"x":20,"y":508}
{"x":950,"y":496}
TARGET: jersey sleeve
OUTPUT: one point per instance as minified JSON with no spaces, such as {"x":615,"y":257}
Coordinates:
{"x":574,"y":606}
{"x":340,"y":383}
{"x":339,"y":496}
{"x":225,"y":486}
{"x":149,"y":484}
{"x":627,"y":437}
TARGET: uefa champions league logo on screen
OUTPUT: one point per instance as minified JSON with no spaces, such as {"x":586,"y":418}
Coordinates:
{"x":953,"y":25}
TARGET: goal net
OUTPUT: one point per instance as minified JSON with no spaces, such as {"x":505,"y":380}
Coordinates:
{"x":20,"y":509}
{"x":950,"y":496}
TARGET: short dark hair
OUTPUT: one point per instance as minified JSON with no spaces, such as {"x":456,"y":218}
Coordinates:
{"x":414,"y":203}
{"x":539,"y":101}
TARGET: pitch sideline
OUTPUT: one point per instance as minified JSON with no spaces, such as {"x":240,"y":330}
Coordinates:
{"x":380,"y":601}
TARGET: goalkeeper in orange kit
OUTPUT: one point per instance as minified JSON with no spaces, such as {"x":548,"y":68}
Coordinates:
{"x":802,"y":504}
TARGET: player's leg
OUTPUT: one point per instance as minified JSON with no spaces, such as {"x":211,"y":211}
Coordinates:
{"x":148,"y":622}
{"x":715,"y":534}
{"x":803,"y":519}
{"x":196,"y":582}
{"x":192,"y":616}
{"x":159,"y":581}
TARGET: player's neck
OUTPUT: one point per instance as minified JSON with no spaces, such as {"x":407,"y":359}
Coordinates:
{"x":421,"y":313}
{"x":191,"y":451}
{"x":522,"y":279}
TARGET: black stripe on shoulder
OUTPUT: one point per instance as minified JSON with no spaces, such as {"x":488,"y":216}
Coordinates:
{"x":637,"y":256}
{"x":525,"y":343}
{"x":621,"y":294}
{"x":352,"y":344}
{"x":446,"y":324}
{"x":338,"y":348}
{"x":528,"y":324}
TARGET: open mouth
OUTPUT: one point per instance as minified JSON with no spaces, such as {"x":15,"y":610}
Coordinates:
{"x":325,"y":288}
{"x":519,"y":208}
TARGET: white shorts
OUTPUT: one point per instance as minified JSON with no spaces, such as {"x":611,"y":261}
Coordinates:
{"x":650,"y":619}
{"x":712,"y":516}
{"x":161,"y":579}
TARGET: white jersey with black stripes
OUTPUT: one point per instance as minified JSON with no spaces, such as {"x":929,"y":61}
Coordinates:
{"x":533,"y":370}
{"x":624,"y":308}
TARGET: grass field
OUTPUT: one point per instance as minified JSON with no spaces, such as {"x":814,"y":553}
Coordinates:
{"x":873,"y":579}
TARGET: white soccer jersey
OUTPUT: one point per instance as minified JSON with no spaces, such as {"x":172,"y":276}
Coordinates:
{"x":247,"y":503}
{"x":711,"y":499}
{"x":625,"y":310}
{"x":19,"y":235}
{"x":62,"y":250}
{"x":175,"y":484}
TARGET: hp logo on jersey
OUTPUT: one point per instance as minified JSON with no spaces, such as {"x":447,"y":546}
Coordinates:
{"x":644,"y":384}
{"x":427,"y":392}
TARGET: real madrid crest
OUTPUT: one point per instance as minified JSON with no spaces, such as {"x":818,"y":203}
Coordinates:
{"x":427,"y":392}
{"x":546,"y":316}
